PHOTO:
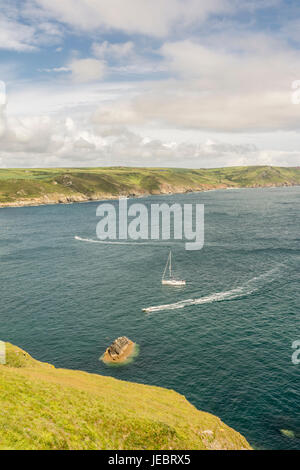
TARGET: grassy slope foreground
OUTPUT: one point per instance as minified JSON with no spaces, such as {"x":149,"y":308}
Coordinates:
{"x":42,"y":186}
{"x":42,"y":407}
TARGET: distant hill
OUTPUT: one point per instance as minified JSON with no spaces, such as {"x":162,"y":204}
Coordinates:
{"x":47,"y":408}
{"x":62,"y":185}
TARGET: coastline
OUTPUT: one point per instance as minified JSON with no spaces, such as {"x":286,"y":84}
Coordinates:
{"x":82,"y":198}
{"x":99,"y":412}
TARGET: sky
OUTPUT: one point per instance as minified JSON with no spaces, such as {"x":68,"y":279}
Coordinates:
{"x":168,"y":83}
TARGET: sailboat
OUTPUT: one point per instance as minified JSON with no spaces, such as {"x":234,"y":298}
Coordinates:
{"x":171,"y":281}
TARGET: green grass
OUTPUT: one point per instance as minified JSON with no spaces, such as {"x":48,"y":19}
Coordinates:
{"x":80,"y":184}
{"x":47,"y":408}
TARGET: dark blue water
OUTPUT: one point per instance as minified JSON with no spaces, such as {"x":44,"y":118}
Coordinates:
{"x":64,"y":300}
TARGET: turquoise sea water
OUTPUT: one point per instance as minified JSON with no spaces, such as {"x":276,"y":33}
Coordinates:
{"x":64,"y":300}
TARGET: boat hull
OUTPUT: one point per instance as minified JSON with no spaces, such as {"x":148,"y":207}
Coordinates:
{"x":173,"y":282}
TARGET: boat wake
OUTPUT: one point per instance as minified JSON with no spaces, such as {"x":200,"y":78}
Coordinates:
{"x":248,"y":288}
{"x":106,"y":242}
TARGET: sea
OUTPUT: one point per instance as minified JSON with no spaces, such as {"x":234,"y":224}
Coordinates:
{"x":224,"y":341}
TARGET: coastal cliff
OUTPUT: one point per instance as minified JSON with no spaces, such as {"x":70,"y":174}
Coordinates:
{"x":24,"y":187}
{"x":47,"y":408}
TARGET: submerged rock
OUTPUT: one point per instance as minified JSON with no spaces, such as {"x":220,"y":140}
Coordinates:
{"x":288,"y":433}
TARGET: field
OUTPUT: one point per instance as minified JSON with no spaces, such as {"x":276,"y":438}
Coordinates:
{"x":61,"y":185}
{"x":47,"y":408}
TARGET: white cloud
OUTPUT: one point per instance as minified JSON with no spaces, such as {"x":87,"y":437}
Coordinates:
{"x":56,"y":70}
{"x":87,"y":70}
{"x":147,"y":17}
{"x":16,"y":36}
{"x":155,"y":17}
{"x":158,"y":18}
{"x":258,"y":63}
{"x":117,"y":114}
{"x":55,"y":141}
{"x":215,"y":90}
{"x":123,"y":58}
{"x":116,"y":51}
{"x":48,"y":34}
{"x":81,"y":70}
{"x":224,"y":79}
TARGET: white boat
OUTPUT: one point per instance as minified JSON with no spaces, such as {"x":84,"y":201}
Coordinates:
{"x":171,"y":281}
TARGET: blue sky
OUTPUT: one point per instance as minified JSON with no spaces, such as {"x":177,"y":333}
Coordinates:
{"x":185,"y":83}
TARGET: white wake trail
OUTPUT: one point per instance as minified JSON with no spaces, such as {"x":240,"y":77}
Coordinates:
{"x":106,"y":242}
{"x":251,"y":286}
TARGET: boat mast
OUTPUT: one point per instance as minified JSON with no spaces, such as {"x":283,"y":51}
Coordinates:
{"x":166,"y":267}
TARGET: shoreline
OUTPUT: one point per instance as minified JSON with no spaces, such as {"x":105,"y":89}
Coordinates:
{"x":145,"y":414}
{"x":81,"y":199}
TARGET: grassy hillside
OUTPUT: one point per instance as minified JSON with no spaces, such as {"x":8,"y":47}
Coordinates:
{"x":40,"y":186}
{"x":47,"y":408}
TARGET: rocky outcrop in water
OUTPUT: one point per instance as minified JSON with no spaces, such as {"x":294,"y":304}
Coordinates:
{"x":119,"y":350}
{"x":118,"y":347}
